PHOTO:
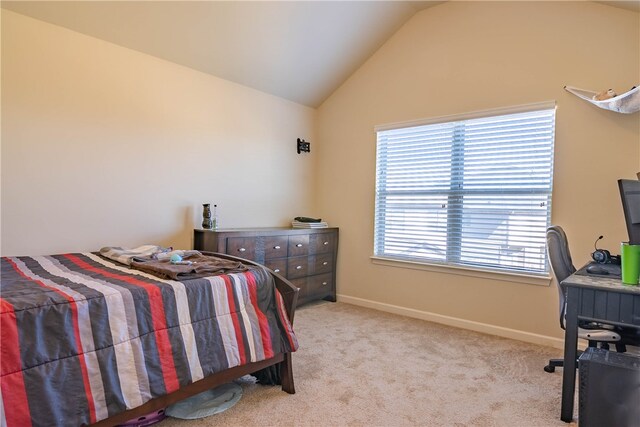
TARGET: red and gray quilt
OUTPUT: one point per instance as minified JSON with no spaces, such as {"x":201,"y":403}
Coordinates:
{"x":84,"y":338}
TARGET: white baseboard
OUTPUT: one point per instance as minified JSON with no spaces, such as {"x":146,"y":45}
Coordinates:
{"x":456,"y":322}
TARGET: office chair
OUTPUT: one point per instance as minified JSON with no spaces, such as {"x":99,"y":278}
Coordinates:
{"x":562,"y":267}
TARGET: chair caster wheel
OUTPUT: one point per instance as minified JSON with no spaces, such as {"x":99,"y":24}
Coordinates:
{"x":549,"y":368}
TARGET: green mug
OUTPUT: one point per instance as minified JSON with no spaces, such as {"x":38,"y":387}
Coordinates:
{"x":630,"y":260}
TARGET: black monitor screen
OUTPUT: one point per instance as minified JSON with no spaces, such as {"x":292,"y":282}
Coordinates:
{"x":630,"y":194}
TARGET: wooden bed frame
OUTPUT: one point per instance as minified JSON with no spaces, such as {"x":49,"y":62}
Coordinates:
{"x":281,"y":360}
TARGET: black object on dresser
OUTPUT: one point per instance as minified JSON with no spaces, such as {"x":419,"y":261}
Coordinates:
{"x":306,"y":257}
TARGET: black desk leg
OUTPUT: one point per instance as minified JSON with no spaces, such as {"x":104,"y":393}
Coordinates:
{"x":570,"y":355}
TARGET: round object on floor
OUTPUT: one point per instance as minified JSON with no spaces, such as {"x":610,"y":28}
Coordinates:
{"x":146,"y":420}
{"x":206,"y":403}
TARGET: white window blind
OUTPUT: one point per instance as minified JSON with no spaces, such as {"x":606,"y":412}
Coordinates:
{"x":469,"y":192}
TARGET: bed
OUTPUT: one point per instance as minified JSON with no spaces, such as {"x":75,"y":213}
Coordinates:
{"x":86,"y":340}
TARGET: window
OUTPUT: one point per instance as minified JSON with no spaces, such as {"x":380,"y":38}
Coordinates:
{"x":474,"y":191}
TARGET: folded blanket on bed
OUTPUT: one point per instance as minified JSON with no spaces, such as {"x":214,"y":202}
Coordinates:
{"x":126,"y":255}
{"x":201,"y":266}
{"x":161,"y":256}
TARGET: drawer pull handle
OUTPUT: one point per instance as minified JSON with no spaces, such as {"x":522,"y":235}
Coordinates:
{"x":277,"y":270}
{"x":299,"y":245}
{"x":325,"y":263}
{"x":299,"y":267}
{"x":241,"y":250}
{"x":276,"y":247}
{"x":324,"y":283}
{"x":325,"y":243}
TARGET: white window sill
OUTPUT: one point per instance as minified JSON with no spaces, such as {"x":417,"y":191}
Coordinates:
{"x":529,"y":279}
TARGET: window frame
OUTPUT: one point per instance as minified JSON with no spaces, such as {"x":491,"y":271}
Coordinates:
{"x":448,"y":266}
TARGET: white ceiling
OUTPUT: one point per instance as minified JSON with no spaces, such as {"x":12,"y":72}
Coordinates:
{"x":297,"y":50}
{"x":301,"y":51}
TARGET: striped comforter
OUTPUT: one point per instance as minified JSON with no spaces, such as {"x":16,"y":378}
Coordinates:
{"x":84,"y":338}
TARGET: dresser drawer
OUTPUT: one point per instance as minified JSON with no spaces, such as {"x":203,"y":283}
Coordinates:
{"x":297,"y":267}
{"x":277,"y":265}
{"x":275,"y":247}
{"x":322,"y":263}
{"x":325,"y":242}
{"x":319,"y":286}
{"x":314,"y":287}
{"x":301,"y":284}
{"x":243,"y":247}
{"x":298,"y":245}
{"x":305,"y":257}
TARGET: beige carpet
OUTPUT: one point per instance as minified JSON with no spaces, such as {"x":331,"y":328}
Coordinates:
{"x":361,"y":367}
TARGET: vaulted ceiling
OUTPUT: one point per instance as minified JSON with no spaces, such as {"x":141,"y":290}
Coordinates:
{"x":297,"y":50}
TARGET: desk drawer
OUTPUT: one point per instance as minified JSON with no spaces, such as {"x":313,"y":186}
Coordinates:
{"x":606,"y":306}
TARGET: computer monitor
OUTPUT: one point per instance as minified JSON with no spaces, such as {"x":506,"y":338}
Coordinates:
{"x":630,"y":194}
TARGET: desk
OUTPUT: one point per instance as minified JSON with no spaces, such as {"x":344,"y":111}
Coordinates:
{"x":593,"y":298}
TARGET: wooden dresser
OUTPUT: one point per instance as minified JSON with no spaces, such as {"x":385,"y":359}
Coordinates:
{"x":307,"y":257}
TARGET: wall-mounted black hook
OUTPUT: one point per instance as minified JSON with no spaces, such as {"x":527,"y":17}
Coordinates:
{"x":303,"y":146}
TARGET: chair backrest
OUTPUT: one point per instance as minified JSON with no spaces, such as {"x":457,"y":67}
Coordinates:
{"x":560,"y":261}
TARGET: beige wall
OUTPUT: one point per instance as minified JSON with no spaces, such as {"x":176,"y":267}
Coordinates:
{"x":461,"y":57}
{"x":102,"y":145}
